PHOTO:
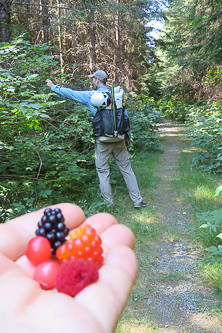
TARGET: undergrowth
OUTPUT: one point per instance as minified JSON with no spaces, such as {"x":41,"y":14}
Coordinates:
{"x":46,"y":142}
{"x":202,"y":191}
{"x":195,"y":189}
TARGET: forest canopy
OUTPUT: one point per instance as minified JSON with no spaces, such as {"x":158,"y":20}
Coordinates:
{"x":46,"y":143}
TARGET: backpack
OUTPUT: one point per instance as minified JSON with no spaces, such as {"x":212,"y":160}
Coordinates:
{"x":111,"y":124}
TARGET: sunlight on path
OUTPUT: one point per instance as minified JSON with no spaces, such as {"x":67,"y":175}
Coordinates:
{"x":181,"y":302}
{"x":170,"y":295}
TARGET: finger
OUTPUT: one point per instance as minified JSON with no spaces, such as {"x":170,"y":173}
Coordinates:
{"x":101,"y":221}
{"x":116,"y":235}
{"x":109,"y":296}
{"x":15,"y":234}
{"x":26,"y":265}
{"x":111,"y":232}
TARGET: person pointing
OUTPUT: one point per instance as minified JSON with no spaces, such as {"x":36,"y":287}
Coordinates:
{"x":103,"y":149}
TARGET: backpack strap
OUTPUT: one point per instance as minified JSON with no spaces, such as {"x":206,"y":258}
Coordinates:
{"x":115,"y":134}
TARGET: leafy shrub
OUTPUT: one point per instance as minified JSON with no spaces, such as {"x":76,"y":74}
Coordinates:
{"x":144,"y":118}
{"x":213,"y":225}
{"x":173,"y":109}
{"x":46,"y":143}
{"x":206,"y":134}
{"x":46,"y":151}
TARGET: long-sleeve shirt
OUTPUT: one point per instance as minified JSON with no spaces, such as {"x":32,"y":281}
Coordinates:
{"x":83,"y":97}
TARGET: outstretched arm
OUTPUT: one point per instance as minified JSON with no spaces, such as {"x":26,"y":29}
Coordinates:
{"x":83,"y":97}
{"x":26,"y":308}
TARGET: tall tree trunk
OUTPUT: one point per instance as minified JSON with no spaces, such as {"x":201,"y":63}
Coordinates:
{"x":92,"y":37}
{"x":4,"y":20}
{"x":116,"y":50}
{"x":60,"y":39}
{"x":45,"y":21}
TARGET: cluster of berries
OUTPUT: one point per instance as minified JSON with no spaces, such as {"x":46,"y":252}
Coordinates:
{"x":67,"y":265}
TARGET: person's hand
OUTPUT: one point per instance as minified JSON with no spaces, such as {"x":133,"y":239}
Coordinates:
{"x":49,"y":83}
{"x":26,"y":308}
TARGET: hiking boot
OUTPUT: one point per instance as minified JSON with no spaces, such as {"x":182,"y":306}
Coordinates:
{"x":141,"y":204}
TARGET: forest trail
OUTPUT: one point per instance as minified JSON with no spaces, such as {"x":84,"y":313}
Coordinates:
{"x":179,"y":301}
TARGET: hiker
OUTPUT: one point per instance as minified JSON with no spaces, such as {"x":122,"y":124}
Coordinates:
{"x":26,"y":308}
{"x":103,"y":149}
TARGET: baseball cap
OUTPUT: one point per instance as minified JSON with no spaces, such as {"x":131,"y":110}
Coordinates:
{"x":101,"y":75}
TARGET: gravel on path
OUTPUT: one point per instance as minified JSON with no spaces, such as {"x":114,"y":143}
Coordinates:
{"x":181,"y":302}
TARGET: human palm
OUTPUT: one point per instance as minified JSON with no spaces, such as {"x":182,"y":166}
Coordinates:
{"x":26,"y":308}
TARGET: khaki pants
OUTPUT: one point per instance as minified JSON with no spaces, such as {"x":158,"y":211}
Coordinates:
{"x":121,"y":156}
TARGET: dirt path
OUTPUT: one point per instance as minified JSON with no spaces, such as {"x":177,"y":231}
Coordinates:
{"x":180,"y":301}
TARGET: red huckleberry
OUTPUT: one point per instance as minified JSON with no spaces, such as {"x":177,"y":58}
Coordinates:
{"x":45,"y":274}
{"x":38,"y":250}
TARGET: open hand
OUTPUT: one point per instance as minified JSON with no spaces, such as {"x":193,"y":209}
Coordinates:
{"x":26,"y":308}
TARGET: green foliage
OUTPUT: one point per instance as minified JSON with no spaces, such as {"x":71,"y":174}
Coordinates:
{"x":205,"y":130}
{"x":173,"y":109}
{"x":46,"y":151}
{"x":206,"y":133}
{"x":205,"y":22}
{"x":212,"y":272}
{"x":191,"y":51}
{"x":213,"y":224}
{"x":218,"y":190}
{"x":46,"y":143}
{"x":144,"y":118}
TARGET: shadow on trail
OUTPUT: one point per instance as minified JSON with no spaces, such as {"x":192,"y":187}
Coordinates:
{"x":169,"y":295}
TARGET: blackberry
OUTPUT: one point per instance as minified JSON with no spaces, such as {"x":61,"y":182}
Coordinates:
{"x":52,"y":227}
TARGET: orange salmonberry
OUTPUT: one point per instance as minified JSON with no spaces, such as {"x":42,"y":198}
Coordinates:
{"x":84,"y":244}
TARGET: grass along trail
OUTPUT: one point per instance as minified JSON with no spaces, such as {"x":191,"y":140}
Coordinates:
{"x":170,"y":295}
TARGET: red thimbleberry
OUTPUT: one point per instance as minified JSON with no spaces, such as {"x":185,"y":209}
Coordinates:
{"x":84,"y":243}
{"x":73,"y":276}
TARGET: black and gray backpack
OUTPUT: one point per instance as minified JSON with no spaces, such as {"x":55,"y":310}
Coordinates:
{"x":112,"y":122}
